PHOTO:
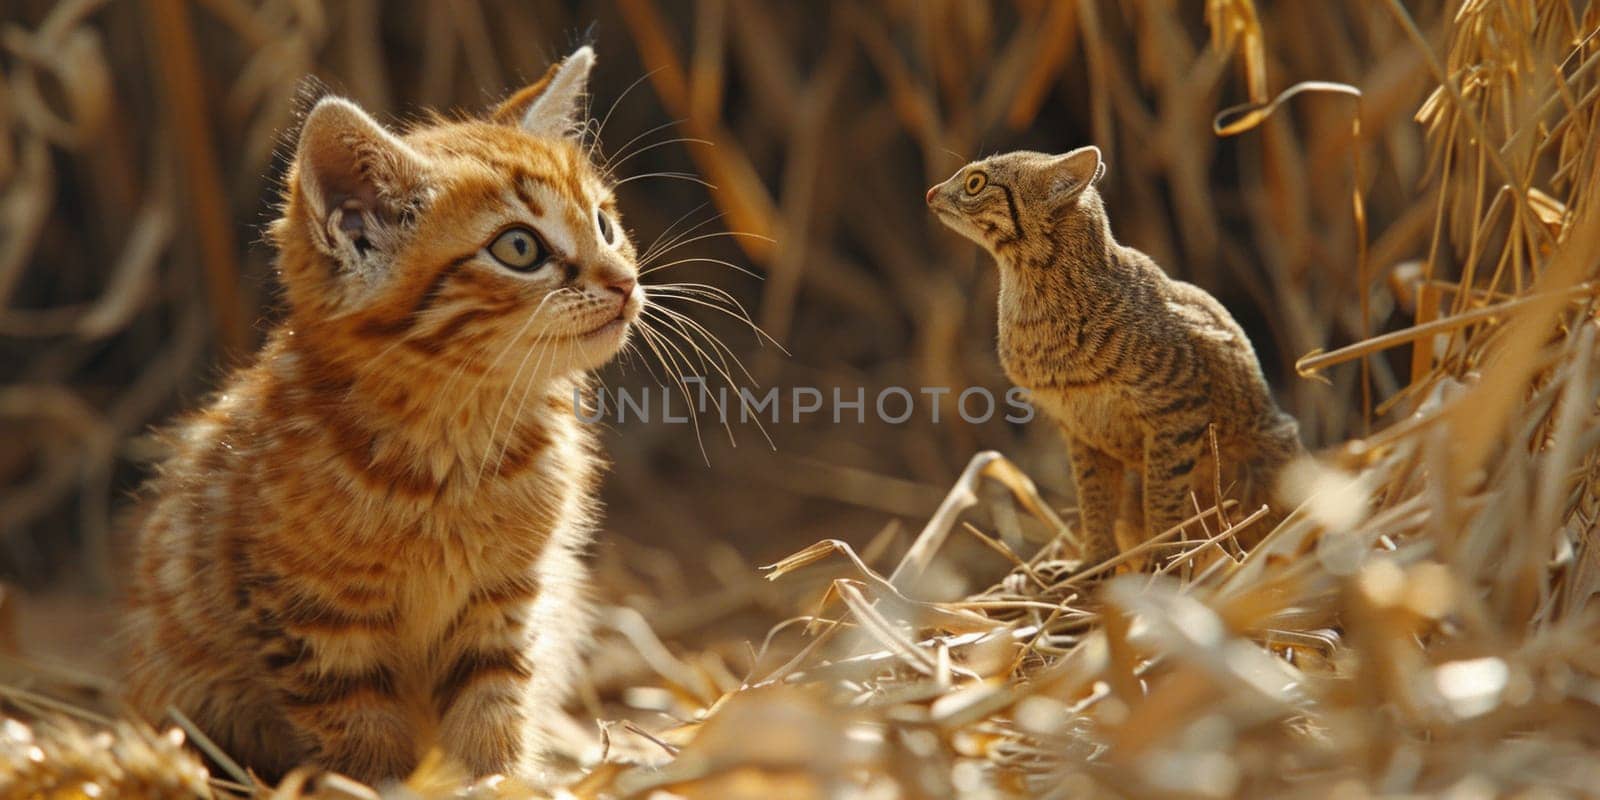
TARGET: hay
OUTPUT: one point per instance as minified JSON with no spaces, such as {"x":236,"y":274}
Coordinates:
{"x":1420,"y":624}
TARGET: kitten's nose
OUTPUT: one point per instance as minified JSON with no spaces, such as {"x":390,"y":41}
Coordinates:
{"x":621,"y":285}
{"x":932,"y":190}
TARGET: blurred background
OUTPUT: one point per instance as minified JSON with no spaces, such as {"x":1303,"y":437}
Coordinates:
{"x":141,"y":145}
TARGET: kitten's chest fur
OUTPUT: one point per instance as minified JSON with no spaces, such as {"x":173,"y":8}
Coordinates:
{"x":444,"y":501}
{"x":319,"y":530}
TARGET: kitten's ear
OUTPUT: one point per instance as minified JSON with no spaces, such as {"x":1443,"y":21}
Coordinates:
{"x":551,"y":106}
{"x":362,"y":184}
{"x":1074,"y":171}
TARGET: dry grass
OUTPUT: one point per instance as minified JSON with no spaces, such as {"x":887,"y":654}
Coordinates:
{"x":1420,"y":625}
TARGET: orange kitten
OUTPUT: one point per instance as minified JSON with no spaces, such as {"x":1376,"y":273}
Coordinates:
{"x":368,"y":543}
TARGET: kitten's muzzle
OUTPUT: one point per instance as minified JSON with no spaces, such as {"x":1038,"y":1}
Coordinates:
{"x":621,"y":285}
{"x":629,"y":297}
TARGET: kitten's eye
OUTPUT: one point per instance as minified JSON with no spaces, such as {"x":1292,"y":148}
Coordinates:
{"x":519,"y":249}
{"x":976,"y":181}
{"x":606,"y":231}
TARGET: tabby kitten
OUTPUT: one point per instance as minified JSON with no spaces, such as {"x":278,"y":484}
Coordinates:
{"x":367,"y":544}
{"x":1133,"y":366}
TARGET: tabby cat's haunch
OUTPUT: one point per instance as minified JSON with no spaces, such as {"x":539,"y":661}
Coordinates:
{"x":367,"y":544}
{"x":1134,"y":366}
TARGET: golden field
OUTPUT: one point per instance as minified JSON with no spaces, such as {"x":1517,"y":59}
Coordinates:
{"x":1411,"y":239}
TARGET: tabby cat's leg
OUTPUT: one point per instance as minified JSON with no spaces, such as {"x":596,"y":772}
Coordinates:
{"x":1172,"y":451}
{"x":1099,"y":480}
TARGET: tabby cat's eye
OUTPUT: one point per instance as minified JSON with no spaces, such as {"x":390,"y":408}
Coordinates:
{"x":976,"y":181}
{"x":519,"y":249}
{"x":606,"y":232}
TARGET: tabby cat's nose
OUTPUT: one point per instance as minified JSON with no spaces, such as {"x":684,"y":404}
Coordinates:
{"x":932,"y":190}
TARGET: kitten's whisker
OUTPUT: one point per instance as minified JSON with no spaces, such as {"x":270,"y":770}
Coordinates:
{"x":663,"y":143}
{"x":705,"y":359}
{"x":716,"y":343}
{"x":713,"y":339}
{"x":632,"y":357}
{"x":652,"y":251}
{"x":621,"y":357}
{"x":606,"y":166}
{"x":711,"y":296}
{"x":462,"y":369}
{"x":737,"y":311}
{"x":728,"y":264}
{"x":723,"y":370}
{"x":516,"y":416}
{"x":705,"y":236}
{"x":408,"y":319}
{"x":454,"y":376}
{"x":722,"y":412}
{"x":652,"y":340}
{"x":511,"y":430}
{"x":724,"y":304}
{"x":512,"y":342}
{"x":636,"y":358}
{"x":682,"y":176}
{"x":601,"y":378}
{"x":494,"y":427}
{"x":700,"y":352}
{"x":590,"y":137}
{"x":614,"y":103}
{"x":694,"y":287}
{"x":700,"y":355}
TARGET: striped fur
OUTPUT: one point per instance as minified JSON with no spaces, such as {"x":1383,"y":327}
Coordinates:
{"x":1134,"y":367}
{"x":368,"y":543}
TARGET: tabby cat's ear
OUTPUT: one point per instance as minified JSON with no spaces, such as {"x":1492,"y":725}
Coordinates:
{"x":552,"y":105}
{"x":361,"y":184}
{"x":1074,"y":171}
